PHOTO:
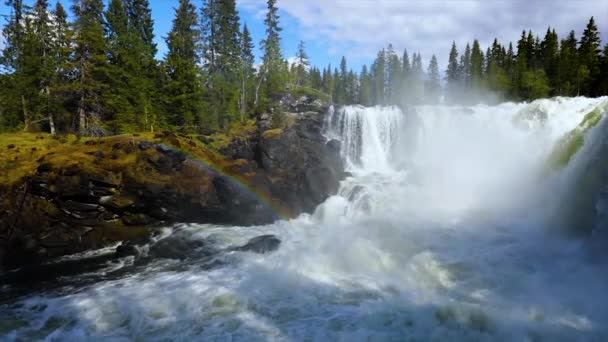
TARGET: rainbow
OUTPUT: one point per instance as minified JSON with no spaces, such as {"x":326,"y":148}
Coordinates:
{"x":264,"y":198}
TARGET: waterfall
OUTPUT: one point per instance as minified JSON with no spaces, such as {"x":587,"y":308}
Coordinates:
{"x":445,"y":230}
{"x":368,"y":135}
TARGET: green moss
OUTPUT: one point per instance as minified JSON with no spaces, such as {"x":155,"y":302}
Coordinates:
{"x":306,"y":91}
{"x":272,"y":133}
{"x":574,"y":140}
{"x":237,"y":130}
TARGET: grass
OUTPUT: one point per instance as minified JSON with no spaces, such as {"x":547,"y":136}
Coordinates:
{"x":237,"y":130}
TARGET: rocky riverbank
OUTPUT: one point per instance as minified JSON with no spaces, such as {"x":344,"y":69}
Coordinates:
{"x":60,"y":196}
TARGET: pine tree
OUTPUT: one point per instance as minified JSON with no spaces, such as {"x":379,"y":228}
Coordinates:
{"x":90,"y":59}
{"x":433,"y":88}
{"x":365,"y":88}
{"x":144,"y":49}
{"x":13,"y":61}
{"x":453,"y":73}
{"x":120,"y":96}
{"x":394,"y":76}
{"x":406,"y":79}
{"x":220,"y":31}
{"x":568,"y":66}
{"x":465,"y":67}
{"x":417,"y":79}
{"x":477,"y":62}
{"x":302,"y":66}
{"x":61,"y":77}
{"x":272,"y":70}
{"x":183,"y":101}
{"x":550,"y":57}
{"x":341,"y":84}
{"x":589,"y":61}
{"x":247,"y":72}
{"x":379,"y":79}
{"x":44,"y":58}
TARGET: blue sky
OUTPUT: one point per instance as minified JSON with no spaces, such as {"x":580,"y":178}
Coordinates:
{"x":359,"y":28}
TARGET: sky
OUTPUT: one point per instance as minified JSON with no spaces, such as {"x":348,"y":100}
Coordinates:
{"x":357,"y":29}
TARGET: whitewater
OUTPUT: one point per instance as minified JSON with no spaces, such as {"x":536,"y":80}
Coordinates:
{"x":453,"y":225}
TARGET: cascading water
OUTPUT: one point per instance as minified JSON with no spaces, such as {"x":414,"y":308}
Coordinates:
{"x":443,"y":232}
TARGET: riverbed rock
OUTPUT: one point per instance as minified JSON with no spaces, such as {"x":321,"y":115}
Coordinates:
{"x":261,"y":244}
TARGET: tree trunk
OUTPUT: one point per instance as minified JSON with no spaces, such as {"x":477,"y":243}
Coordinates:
{"x":52,"y":123}
{"x":243,"y":104}
{"x":82,"y":129}
{"x":47,"y":92}
{"x":26,"y":119}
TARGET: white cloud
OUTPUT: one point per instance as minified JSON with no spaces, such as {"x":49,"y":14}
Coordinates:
{"x":359,"y":28}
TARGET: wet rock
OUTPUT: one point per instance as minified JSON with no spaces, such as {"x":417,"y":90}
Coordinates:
{"x":77,"y":206}
{"x":145,"y":145}
{"x":117,"y":202}
{"x":176,"y":248}
{"x":126,"y":249}
{"x":140,"y":219}
{"x":261,"y":244}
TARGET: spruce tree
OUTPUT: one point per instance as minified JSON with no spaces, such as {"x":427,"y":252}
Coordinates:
{"x":568,"y":66}
{"x":433,"y":87}
{"x":417,"y":79}
{"x":302,"y":66}
{"x":91,"y":60}
{"x":394,"y":76}
{"x":406,"y":78}
{"x":61,"y":78}
{"x":365,"y":88}
{"x":453,"y":74}
{"x":182,"y":89}
{"x":465,"y":66}
{"x":477,"y":62}
{"x":550,"y":57}
{"x":13,"y":61}
{"x":42,"y":73}
{"x":589,"y":61}
{"x":144,"y":49}
{"x":247,"y":72}
{"x":379,"y":79}
{"x":121,"y":95}
{"x":220,"y":33}
{"x":272,"y":70}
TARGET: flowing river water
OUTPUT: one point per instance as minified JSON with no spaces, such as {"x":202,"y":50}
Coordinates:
{"x":450,"y":228}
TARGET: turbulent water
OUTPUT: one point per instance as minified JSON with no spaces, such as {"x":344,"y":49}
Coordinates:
{"x":445,"y":231}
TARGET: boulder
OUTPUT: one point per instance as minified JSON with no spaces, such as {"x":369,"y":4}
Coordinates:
{"x":261,"y":244}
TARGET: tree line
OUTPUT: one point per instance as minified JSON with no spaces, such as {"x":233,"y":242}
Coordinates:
{"x":534,"y":69}
{"x":98,"y":73}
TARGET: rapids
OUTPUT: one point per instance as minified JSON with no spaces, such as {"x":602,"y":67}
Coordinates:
{"x":446,"y":231}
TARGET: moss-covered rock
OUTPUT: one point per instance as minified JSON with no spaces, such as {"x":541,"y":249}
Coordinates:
{"x":573,"y":141}
{"x":66,"y":194}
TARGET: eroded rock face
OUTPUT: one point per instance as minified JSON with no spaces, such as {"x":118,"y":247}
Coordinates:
{"x":306,"y":168}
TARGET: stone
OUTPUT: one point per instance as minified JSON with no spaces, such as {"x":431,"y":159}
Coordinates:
{"x":261,"y":244}
{"x":139,"y":219}
{"x":145,"y":145}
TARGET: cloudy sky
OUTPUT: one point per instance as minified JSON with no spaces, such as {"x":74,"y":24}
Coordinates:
{"x":359,"y":28}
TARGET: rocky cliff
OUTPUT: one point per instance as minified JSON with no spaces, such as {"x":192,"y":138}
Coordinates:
{"x":63,"y":197}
